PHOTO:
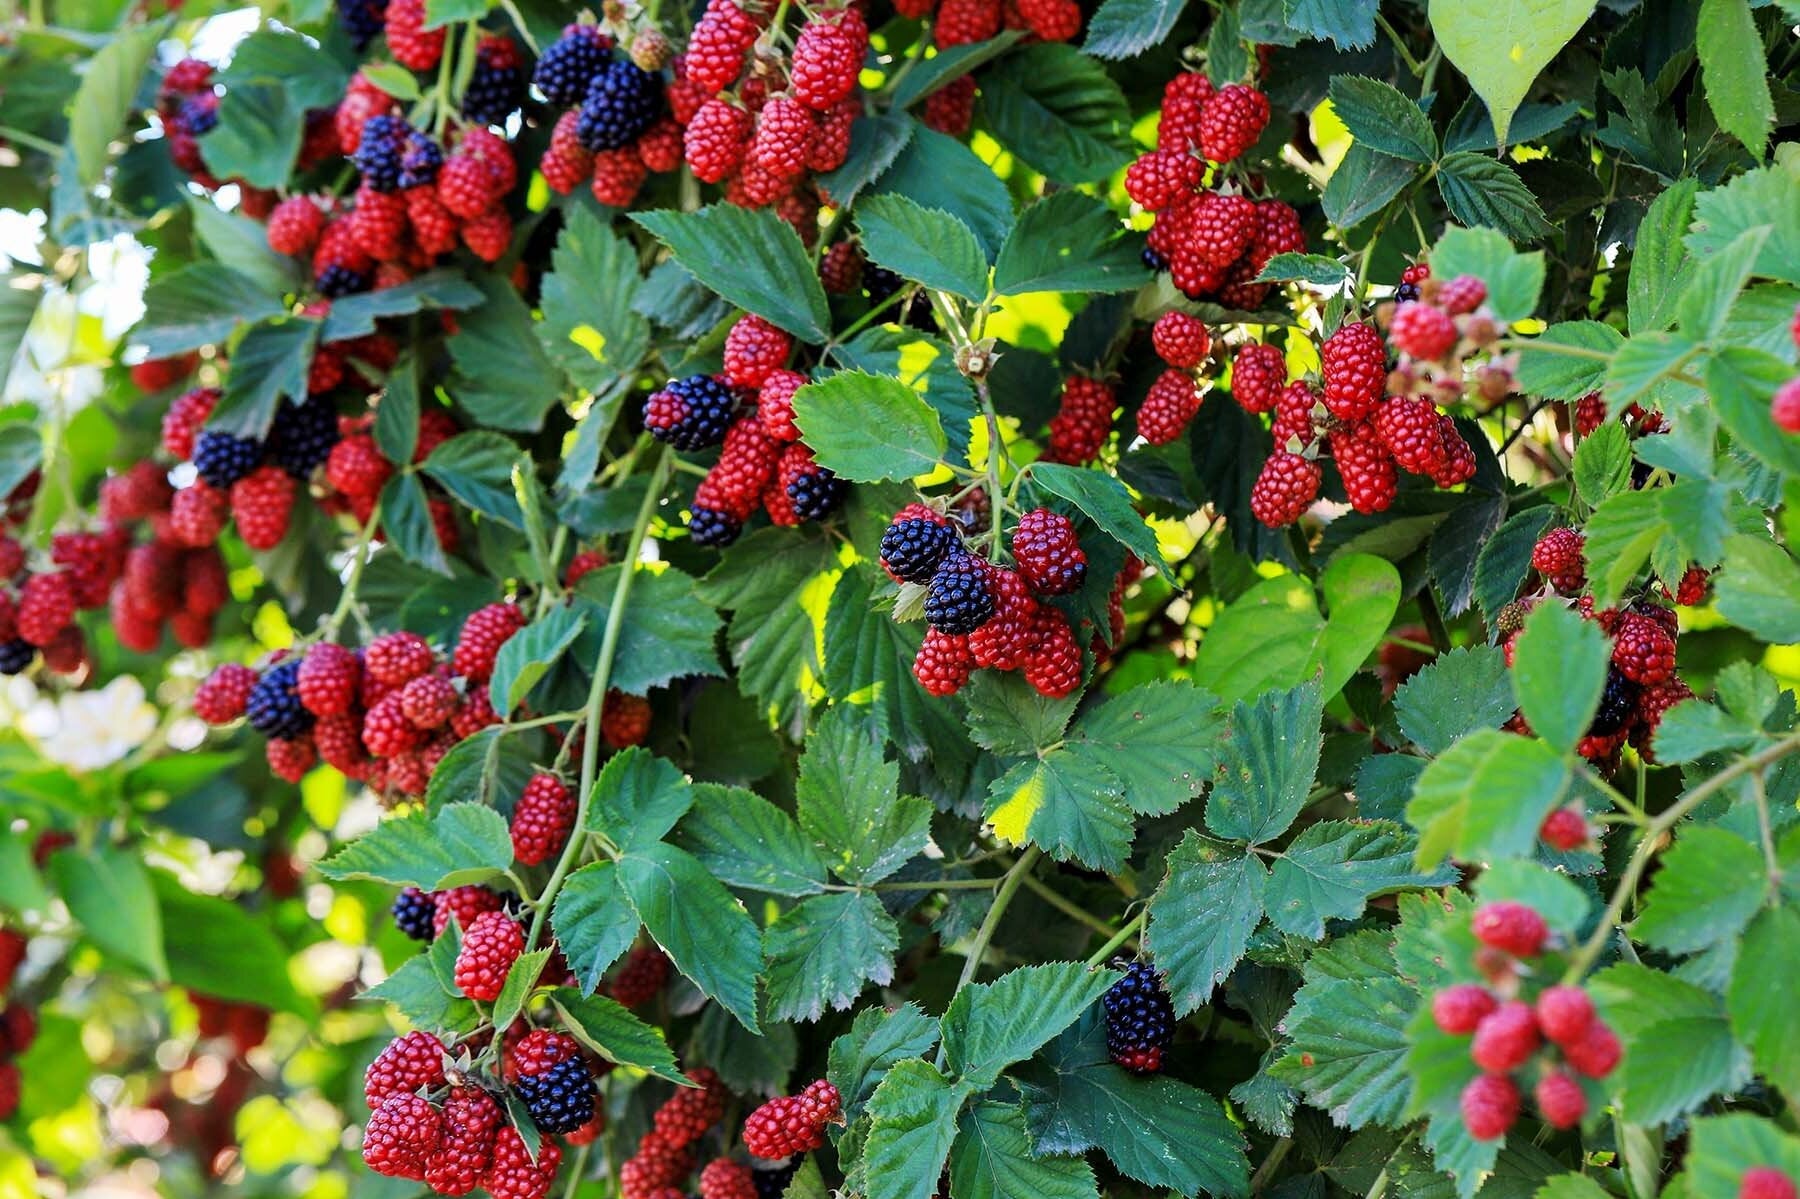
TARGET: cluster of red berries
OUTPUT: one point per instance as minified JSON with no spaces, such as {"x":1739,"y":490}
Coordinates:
{"x":791,"y":1124}
{"x":1641,"y":680}
{"x":1084,"y":420}
{"x":1784,"y":407}
{"x":1213,"y":241}
{"x":951,"y":108}
{"x":761,"y":126}
{"x":18,"y":1023}
{"x":984,"y":615}
{"x":667,"y":1154}
{"x":1437,"y":328}
{"x":187,"y":106}
{"x":1184,"y":344}
{"x":1509,"y":1028}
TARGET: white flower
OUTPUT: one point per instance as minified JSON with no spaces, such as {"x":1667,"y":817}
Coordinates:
{"x":88,"y":730}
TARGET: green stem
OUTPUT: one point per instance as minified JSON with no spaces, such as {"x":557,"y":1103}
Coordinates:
{"x":942,"y":884}
{"x":359,"y":559}
{"x":609,"y":648}
{"x":1069,"y":908}
{"x":440,"y":101}
{"x":1583,"y":958}
{"x":576,"y":1173}
{"x":1272,"y":1162}
{"x":1125,"y":934}
{"x":1009,"y":887}
{"x":1413,"y":65}
{"x":30,"y":141}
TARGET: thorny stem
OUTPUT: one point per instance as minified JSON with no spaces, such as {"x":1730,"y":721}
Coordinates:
{"x":1583,"y":958}
{"x":359,"y":558}
{"x":609,"y":647}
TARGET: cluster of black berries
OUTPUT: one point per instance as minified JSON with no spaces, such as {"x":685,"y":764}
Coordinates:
{"x":1140,"y":1019}
{"x":618,"y":99}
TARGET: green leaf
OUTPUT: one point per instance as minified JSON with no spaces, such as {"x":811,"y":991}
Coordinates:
{"x":1502,"y":46}
{"x":397,"y":416}
{"x":1482,"y":190}
{"x":199,"y":305}
{"x":1347,"y":24}
{"x":109,"y":85}
{"x":1384,"y":782}
{"x":1682,"y":1048}
{"x":1304,"y":268}
{"x":406,"y":517}
{"x":1008,"y":716}
{"x":877,"y":1039}
{"x":489,"y":768}
{"x":929,"y":75}
{"x":615,"y":1034}
{"x":21,"y":889}
{"x":528,"y":655}
{"x":312,"y":79}
{"x":415,"y":992}
{"x":770,"y":581}
{"x":1706,"y":305}
{"x":1068,"y":241}
{"x":1059,"y":111}
{"x":1513,"y":280}
{"x":502,"y":377}
{"x":1201,"y":918}
{"x":1104,"y":500}
{"x":752,"y":258}
{"x":1266,"y":638}
{"x":703,"y":929}
{"x":1660,"y":264}
{"x":590,"y":329}
{"x":463,"y":843}
{"x":234,"y":238}
{"x":439,"y":13}
{"x":1347,"y":1047}
{"x":940,"y":172}
{"x":1602,"y":465}
{"x":1333,"y":868}
{"x":1763,"y":197}
{"x":1363,"y":184}
{"x":1706,"y":891}
{"x":875,"y":142}
{"x":1564,"y":376}
{"x":1266,"y":765}
{"x":989,"y":1026}
{"x":1455,"y":695}
{"x":1485,"y":797}
{"x":476,"y":467}
{"x":354,"y":316}
{"x":1157,"y":739}
{"x":868,"y":667}
{"x":109,"y":895}
{"x":1759,"y":589}
{"x":667,"y":631}
{"x":269,"y":363}
{"x":992,"y":1159}
{"x":915,"y":1110}
{"x":745,"y":841}
{"x":587,"y":922}
{"x":926,"y":245}
{"x":924,"y":363}
{"x":521,"y":978}
{"x":823,"y":951}
{"x":1160,"y":1131}
{"x":393,"y":79}
{"x":1362,"y":593}
{"x":1558,"y":672}
{"x":1720,"y":1147}
{"x":1127,"y":28}
{"x":1741,"y":382}
{"x":1379,"y":117}
{"x":638,"y":798}
{"x":1642,"y":363}
{"x":258,"y":135}
{"x":1734,"y":70}
{"x":847,"y":803}
{"x":1069,"y":806}
{"x":217,"y":948}
{"x":896,"y":434}
{"x":1506,"y":557}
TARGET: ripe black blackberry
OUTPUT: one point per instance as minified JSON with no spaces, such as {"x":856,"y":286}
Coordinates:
{"x":881,"y":285}
{"x":709,"y":527}
{"x":362,"y":20}
{"x":1140,"y":1019}
{"x":622,"y":101}
{"x":1617,"y":703}
{"x":560,"y":1098}
{"x":817,"y":494}
{"x":420,"y":162}
{"x":960,"y":597}
{"x":413,"y":911}
{"x":497,"y":85}
{"x":1154,"y":261}
{"x":377,"y":156}
{"x":302,"y":435}
{"x":16,"y":655}
{"x":200,"y":114}
{"x":274,"y":708}
{"x":771,"y":1182}
{"x":691,"y":413}
{"x":913,"y":549}
{"x":1405,"y":292}
{"x":569,"y":64}
{"x":222,"y":459}
{"x":340,"y":280}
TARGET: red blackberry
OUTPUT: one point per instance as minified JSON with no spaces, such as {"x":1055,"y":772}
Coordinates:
{"x":1053,"y":665}
{"x":1511,"y":927}
{"x":497,"y":86}
{"x":471,"y":1121}
{"x":645,"y":971}
{"x":466,"y":903}
{"x":1558,"y":557}
{"x":754,"y":350}
{"x":1162,"y":177}
{"x":412,"y":913}
{"x":412,"y":45}
{"x":570,"y":63}
{"x":1564,"y":829}
{"x":775,"y":404}
{"x":356,"y":468}
{"x":181,"y":424}
{"x":428,"y":701}
{"x":1766,"y":1182}
{"x":793,"y":1124}
{"x":827,"y":58}
{"x":1457,"y":465}
{"x":727,"y":1179}
{"x":1354,"y":364}
{"x":1231,"y":121}
{"x":691,"y":413}
{"x":1184,"y":98}
{"x":1140,"y":1019}
{"x":397,"y":658}
{"x":290,"y":759}
{"x":1643,"y":651}
{"x":1424,"y":331}
{"x":1219,"y":228}
{"x":490,"y":946}
{"x":386,"y":731}
{"x":1370,"y":479}
{"x":959,"y":597}
{"x":513,"y":1174}
{"x":716,"y":140}
{"x":274,"y":707}
{"x":1462,"y":294}
{"x":1048,"y":553}
{"x":1296,"y":422}
{"x":328,"y":679}
{"x":1258,"y":375}
{"x":1083,"y":420}
{"x":1278,"y":231}
{"x":1505,"y":1038}
{"x":405,"y":1065}
{"x":261,"y":503}
{"x":1460,"y":1009}
{"x":1006,"y":639}
{"x":1411,"y":431}
{"x":224,"y":695}
{"x":962,"y":22}
{"x":222,"y":459}
{"x":403,"y":1134}
{"x":1564,"y":1013}
{"x":483,"y":633}
{"x":1595,"y":1053}
{"x":560,"y":1097}
{"x":622,"y":101}
{"x":1285,"y":488}
{"x":1490,"y":1106}
{"x":686,"y":1115}
{"x":489,"y":235}
{"x":943,"y":663}
{"x":294,"y":225}
{"x":1168,"y":407}
{"x":541,"y":821}
{"x":466,"y":187}
{"x":1180,"y":340}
